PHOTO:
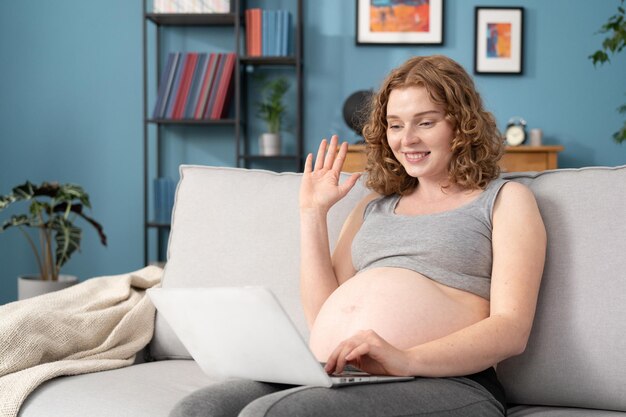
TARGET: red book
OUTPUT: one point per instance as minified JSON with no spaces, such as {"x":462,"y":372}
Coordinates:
{"x":206,"y":87}
{"x":185,"y":83}
{"x":219,"y":66}
{"x":224,"y":91}
{"x":259,"y":32}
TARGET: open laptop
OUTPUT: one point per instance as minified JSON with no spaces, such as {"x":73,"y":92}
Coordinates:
{"x":243,"y":332}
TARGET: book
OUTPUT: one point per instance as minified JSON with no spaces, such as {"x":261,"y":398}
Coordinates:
{"x":191,"y":6}
{"x":171,"y":99}
{"x":183,"y":91}
{"x":206,"y":86}
{"x":162,"y":91}
{"x":164,"y":189}
{"x":265,"y":32}
{"x":285,"y":33}
{"x":219,"y":66}
{"x":194,"y":89}
{"x":224,"y":91}
{"x":256,"y":33}
{"x":248,"y":22}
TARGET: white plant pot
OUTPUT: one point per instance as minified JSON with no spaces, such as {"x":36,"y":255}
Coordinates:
{"x":269,"y":144}
{"x":31,"y":286}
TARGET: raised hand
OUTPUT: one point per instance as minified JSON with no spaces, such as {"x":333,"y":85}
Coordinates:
{"x":369,"y":352}
{"x":320,"y":188}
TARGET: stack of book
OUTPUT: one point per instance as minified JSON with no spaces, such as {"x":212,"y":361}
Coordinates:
{"x":195,"y":86}
{"x":191,"y":6}
{"x":267,"y":32}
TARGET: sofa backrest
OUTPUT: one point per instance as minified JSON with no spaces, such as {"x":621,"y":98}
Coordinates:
{"x":233,"y":227}
{"x":576,"y":355}
{"x":240,"y":227}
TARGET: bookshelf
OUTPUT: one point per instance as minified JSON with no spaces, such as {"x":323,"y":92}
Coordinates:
{"x":155,"y":130}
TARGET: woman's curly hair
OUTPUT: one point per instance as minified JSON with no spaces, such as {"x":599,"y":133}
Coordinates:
{"x":476,"y":147}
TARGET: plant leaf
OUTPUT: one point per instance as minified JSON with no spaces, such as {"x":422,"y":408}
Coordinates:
{"x":67,"y":237}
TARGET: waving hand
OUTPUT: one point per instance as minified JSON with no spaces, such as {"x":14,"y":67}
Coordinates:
{"x":320,"y":188}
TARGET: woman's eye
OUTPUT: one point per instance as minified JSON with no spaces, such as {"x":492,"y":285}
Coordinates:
{"x":426,"y":124}
{"x":394,"y":126}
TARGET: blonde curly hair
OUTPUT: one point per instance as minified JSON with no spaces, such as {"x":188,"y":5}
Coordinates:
{"x":476,"y":147}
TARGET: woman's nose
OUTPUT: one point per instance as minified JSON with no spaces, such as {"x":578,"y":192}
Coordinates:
{"x":411,"y":136}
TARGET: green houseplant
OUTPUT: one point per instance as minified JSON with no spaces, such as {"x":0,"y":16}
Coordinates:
{"x":615,"y":27}
{"x":271,"y":110}
{"x":52,"y":212}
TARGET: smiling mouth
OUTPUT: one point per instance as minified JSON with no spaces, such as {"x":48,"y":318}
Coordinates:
{"x":415,"y":156}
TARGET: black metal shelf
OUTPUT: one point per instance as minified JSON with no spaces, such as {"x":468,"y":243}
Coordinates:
{"x":268,"y":60}
{"x":205,"y":122}
{"x":158,"y":225}
{"x":192,"y":19}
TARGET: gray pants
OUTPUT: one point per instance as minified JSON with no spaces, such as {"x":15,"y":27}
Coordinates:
{"x":431,"y":397}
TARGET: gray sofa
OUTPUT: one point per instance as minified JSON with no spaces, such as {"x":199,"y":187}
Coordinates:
{"x":235,"y":227}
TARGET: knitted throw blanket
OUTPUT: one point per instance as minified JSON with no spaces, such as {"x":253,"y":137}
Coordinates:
{"x":97,"y":325}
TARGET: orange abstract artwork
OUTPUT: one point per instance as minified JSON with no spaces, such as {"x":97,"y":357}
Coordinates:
{"x":499,"y":40}
{"x":399,"y":15}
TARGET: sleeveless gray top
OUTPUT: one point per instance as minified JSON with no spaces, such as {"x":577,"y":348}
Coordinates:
{"x":451,"y":247}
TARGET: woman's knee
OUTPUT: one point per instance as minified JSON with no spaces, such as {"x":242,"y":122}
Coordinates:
{"x":225,"y":399}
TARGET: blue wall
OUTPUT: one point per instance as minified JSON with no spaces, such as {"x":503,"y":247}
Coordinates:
{"x":71,"y":101}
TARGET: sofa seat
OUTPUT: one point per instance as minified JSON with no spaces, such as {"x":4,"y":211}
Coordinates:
{"x":144,"y":390}
{"x":534,"y":411}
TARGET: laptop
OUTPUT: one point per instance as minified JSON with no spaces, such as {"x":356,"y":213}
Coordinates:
{"x":244,"y":332}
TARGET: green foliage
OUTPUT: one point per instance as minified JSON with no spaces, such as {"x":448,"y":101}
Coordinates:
{"x":52,"y":211}
{"x":613,"y":44}
{"x":271,"y":108}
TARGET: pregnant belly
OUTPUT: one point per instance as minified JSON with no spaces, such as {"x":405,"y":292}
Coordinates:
{"x":402,"y":306}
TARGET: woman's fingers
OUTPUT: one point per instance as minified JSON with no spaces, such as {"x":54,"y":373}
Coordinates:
{"x":321,"y":151}
{"x":341,"y":156}
{"x":332,"y":152}
{"x":308,"y":163}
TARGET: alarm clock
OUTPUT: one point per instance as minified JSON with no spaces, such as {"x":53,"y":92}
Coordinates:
{"x":515,"y":133}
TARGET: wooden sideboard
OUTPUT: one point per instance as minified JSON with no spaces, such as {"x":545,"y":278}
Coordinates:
{"x":515,"y":159}
{"x":530,"y":158}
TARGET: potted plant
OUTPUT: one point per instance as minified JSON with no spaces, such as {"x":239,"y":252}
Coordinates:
{"x":52,"y":211}
{"x":271,"y":110}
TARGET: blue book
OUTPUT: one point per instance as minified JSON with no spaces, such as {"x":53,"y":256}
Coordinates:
{"x":273,"y":32}
{"x":265,"y":33}
{"x":171,"y":100}
{"x":279,"y":32}
{"x":196,"y":84}
{"x":286,"y":33}
{"x":163,"y":85}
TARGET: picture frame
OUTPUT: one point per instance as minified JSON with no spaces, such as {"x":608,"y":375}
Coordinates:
{"x":499,"y":40}
{"x":399,"y":22}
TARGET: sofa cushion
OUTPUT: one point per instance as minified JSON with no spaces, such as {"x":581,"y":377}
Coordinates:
{"x":575,"y":355}
{"x":145,"y":390}
{"x":233,"y":227}
{"x":542,"y":411}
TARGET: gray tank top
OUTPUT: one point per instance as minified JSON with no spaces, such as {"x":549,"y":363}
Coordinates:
{"x":451,"y":247}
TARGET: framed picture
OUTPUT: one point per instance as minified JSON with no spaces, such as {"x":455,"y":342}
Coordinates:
{"x":499,"y":38}
{"x":399,"y":22}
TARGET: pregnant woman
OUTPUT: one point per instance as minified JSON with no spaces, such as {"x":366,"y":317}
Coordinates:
{"x":435,"y":275}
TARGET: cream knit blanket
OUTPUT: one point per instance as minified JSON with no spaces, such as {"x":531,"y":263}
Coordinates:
{"x":97,"y":325}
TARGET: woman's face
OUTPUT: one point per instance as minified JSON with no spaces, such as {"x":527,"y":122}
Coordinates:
{"x":419,"y":134}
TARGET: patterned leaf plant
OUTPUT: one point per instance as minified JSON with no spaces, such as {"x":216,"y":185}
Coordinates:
{"x":52,"y":211}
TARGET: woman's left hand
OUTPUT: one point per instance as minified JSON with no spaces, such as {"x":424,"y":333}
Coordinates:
{"x":369,"y":352}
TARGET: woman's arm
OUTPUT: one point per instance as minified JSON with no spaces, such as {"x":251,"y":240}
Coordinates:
{"x":519,"y":244}
{"x":319,"y":191}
